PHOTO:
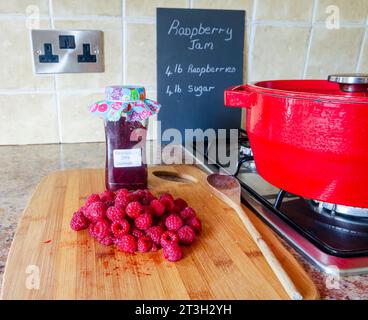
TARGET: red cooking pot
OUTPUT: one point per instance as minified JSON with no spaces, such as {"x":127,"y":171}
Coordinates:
{"x":310,"y":137}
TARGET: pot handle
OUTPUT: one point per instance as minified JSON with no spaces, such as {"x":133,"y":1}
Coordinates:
{"x":239,"y":96}
{"x":350,"y":82}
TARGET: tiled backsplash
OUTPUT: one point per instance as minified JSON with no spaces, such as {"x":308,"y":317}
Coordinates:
{"x":285,"y":39}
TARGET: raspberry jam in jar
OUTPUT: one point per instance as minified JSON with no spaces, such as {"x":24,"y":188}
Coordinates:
{"x":125,"y":111}
{"x":125,"y":156}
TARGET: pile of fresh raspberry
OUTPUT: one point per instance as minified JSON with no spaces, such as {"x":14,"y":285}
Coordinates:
{"x":139,"y":221}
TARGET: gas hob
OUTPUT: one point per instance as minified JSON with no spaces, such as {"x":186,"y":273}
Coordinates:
{"x":333,"y":237}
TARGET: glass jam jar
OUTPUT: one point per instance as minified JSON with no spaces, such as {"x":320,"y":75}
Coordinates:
{"x":125,"y":112}
{"x":125,"y":154}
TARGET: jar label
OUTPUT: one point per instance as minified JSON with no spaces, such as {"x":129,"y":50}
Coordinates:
{"x":124,"y":158}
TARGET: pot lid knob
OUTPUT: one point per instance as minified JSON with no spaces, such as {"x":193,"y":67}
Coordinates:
{"x":350,"y":82}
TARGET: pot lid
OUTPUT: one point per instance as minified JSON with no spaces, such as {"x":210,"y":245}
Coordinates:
{"x":337,"y":88}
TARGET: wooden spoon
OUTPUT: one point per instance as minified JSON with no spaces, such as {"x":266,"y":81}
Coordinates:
{"x":227,"y":188}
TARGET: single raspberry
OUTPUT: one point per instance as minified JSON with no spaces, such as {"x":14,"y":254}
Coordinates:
{"x":101,"y":229}
{"x":186,"y":235}
{"x":158,"y":207}
{"x":115,"y":213}
{"x":121,"y":200}
{"x":126,"y":243}
{"x":155,"y":233}
{"x":195,"y":224}
{"x":173,"y":252}
{"x":107,"y":241}
{"x":173,"y":222}
{"x":144,"y":244}
{"x":144,"y":221}
{"x":166,"y":195}
{"x":92,"y":198}
{"x":187,"y":213}
{"x":169,"y":237}
{"x":148,"y":197}
{"x":168,"y":201}
{"x":134,"y":209}
{"x":120,"y":227}
{"x":181,"y":203}
{"x":136,"y":233}
{"x":122,"y":192}
{"x":107,"y":196}
{"x":79,"y":221}
{"x":139,"y":194}
{"x":95,"y":211}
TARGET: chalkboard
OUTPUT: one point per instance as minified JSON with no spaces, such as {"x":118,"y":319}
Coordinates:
{"x":199,"y":54}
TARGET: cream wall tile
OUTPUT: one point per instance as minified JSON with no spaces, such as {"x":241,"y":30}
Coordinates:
{"x":20,"y":6}
{"x":278,"y":52}
{"x":15,"y":53}
{"x":140,"y":61}
{"x":147,"y":8}
{"x":87,"y":7}
{"x":333,"y":51}
{"x":28,"y":119}
{"x":113,"y":56}
{"x":293,"y":10}
{"x":349,"y":10}
{"x":224,"y":4}
{"x":77,"y":123}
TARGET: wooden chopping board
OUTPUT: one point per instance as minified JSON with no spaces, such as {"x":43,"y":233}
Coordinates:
{"x":55,"y":262}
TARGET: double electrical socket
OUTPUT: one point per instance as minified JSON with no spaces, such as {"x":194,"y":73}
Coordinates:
{"x":65,"y":51}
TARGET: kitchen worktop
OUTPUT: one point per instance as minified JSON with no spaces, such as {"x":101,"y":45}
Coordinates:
{"x":22,"y":167}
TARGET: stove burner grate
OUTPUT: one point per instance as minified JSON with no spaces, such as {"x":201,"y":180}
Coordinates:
{"x":336,"y":209}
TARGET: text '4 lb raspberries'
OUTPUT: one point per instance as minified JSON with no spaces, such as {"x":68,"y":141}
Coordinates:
{"x":138,"y":221}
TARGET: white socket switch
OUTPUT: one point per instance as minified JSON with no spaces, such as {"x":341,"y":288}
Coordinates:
{"x":67,"y":51}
